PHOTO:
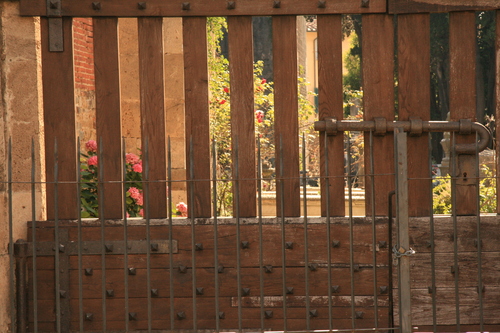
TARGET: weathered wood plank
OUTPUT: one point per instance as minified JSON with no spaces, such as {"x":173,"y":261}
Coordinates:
{"x":463,"y":102}
{"x":330,"y":98}
{"x":414,"y":101}
{"x":286,"y":135}
{"x":152,"y":115}
{"x":427,"y":6}
{"x":59,"y":121}
{"x":378,"y":100}
{"x":240,"y":45}
{"x":197,"y":115}
{"x":124,"y":8}
{"x":108,"y":113}
{"x":497,"y":101}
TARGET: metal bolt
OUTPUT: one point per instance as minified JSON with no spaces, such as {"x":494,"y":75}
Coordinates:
{"x":245,"y":291}
{"x":365,"y":3}
{"x":289,"y":290}
{"x":110,"y":293}
{"x":382,"y":244}
{"x":289,"y":245}
{"x":181,"y":315}
{"x":452,"y":237}
{"x":141,"y":5}
{"x":89,"y":271}
{"x":245,"y":245}
{"x":430,"y":290}
{"x":61,"y":248}
{"x":277,"y":4}
{"x":200,"y":291}
{"x":132,"y":316}
{"x":183,"y":269}
{"x":476,"y":243}
{"x":96,"y":5}
{"x":268,"y":269}
{"x":129,"y":247}
{"x":231,"y":5}
{"x":154,"y":292}
{"x":428,"y":244}
{"x":356,"y":268}
{"x":198,"y":247}
{"x":313,"y":313}
{"x":313,"y":267}
{"x":186,"y":6}
{"x":359,"y":314}
{"x":268,"y":314}
{"x":483,"y":288}
{"x":132,"y":271}
{"x":89,"y":316}
{"x":453,"y":269}
{"x":383,"y":289}
{"x":108,"y":247}
{"x":220,"y":269}
{"x":222,"y":315}
{"x":53,"y":5}
{"x":62,"y":293}
{"x":335,"y":243}
{"x":154,"y":247}
{"x":321,"y":4}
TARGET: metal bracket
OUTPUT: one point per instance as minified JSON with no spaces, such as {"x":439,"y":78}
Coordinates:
{"x":56,"y":36}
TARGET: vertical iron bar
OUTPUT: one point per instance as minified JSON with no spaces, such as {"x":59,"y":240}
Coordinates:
{"x":479,"y":245}
{"x":56,"y":239}
{"x":238,"y":238}
{"x":193,"y":230}
{"x":328,"y":238}
{"x":432,"y":236}
{"x":398,"y":203}
{"x":125,"y":235}
{"x":216,"y":235}
{"x":389,"y":259}
{"x":351,"y":231}
{"x":170,"y":236}
{"x":11,"y":241}
{"x":80,"y":242}
{"x":148,"y":231}
{"x":100,"y":193}
{"x":21,"y":253}
{"x":33,"y":237}
{"x":261,"y":254}
{"x":283,"y":240}
{"x":455,"y":229}
{"x":403,"y":231}
{"x":306,"y":238}
{"x":374,"y":229}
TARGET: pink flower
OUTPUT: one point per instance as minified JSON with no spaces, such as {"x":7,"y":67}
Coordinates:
{"x":91,"y":145}
{"x":226,"y":90}
{"x":183,"y":208}
{"x":259,"y":115}
{"x":141,"y":212}
{"x":132,"y":158}
{"x":222,"y":101}
{"x":92,"y":160}
{"x":137,"y":167}
{"x":263,"y":81}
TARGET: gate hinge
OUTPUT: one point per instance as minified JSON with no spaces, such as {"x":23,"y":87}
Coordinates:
{"x":56,"y":43}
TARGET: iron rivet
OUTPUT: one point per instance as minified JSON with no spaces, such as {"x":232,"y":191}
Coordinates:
{"x":382,"y":244}
{"x":365,"y":3}
{"x":245,"y":245}
{"x":430,"y":290}
{"x":220,"y":269}
{"x":154,"y":247}
{"x":110,"y":293}
{"x":268,"y":269}
{"x":452,"y":237}
{"x":141,"y":5}
{"x":453,"y":269}
{"x":186,"y":6}
{"x":335,"y":243}
{"x":289,"y":245}
{"x":321,"y":4}
{"x":89,"y":316}
{"x":222,"y":315}
{"x":108,"y":247}
{"x":428,"y":244}
{"x":198,"y":247}
{"x":53,"y":5}
{"x":85,"y":248}
{"x":183,"y":269}
{"x":231,"y":5}
{"x":129,"y":247}
{"x":268,"y":314}
{"x":336,"y":289}
{"x":276,"y":4}
{"x":61,"y":248}
{"x":181,"y":315}
{"x":62,"y":293}
{"x":200,"y":291}
{"x":62,"y":313}
{"x":289,"y":290}
{"x":61,"y":270}
{"x":154,"y":292}
{"x":313,"y":267}
{"x":89,"y":271}
{"x":483,"y":289}
{"x":313,"y":313}
{"x":132,"y":271}
{"x":245,"y":291}
{"x":476,"y":243}
{"x":383,"y":289}
{"x":359,"y":314}
{"x":356,"y":268}
{"x":96,"y":5}
{"x":132,"y":316}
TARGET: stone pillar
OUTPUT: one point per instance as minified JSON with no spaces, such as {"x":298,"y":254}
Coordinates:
{"x":22,"y":122}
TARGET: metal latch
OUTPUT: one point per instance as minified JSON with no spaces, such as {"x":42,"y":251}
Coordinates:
{"x":56,"y":41}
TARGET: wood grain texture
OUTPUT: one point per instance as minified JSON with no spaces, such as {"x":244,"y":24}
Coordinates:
{"x":240,"y":43}
{"x":497,"y":100}
{"x":378,"y":100}
{"x":108,"y":113}
{"x":463,"y":96}
{"x":414,"y":101}
{"x":59,"y":122}
{"x":331,"y":105}
{"x":197,"y":115}
{"x":152,"y":115}
{"x":124,"y":8}
{"x":428,"y":6}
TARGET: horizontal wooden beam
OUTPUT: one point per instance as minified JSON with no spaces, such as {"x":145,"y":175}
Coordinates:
{"x":434,"y":6}
{"x":135,"y":8}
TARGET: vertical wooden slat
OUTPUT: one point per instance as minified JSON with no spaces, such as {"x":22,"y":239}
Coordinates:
{"x":497,"y":105}
{"x":153,"y":110}
{"x":286,"y":112}
{"x":197,"y":116}
{"x":242,"y":109}
{"x":414,"y":101}
{"x":378,"y":100}
{"x":330,"y":97}
{"x":108,"y":111}
{"x":463,"y":96}
{"x":59,"y":121}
